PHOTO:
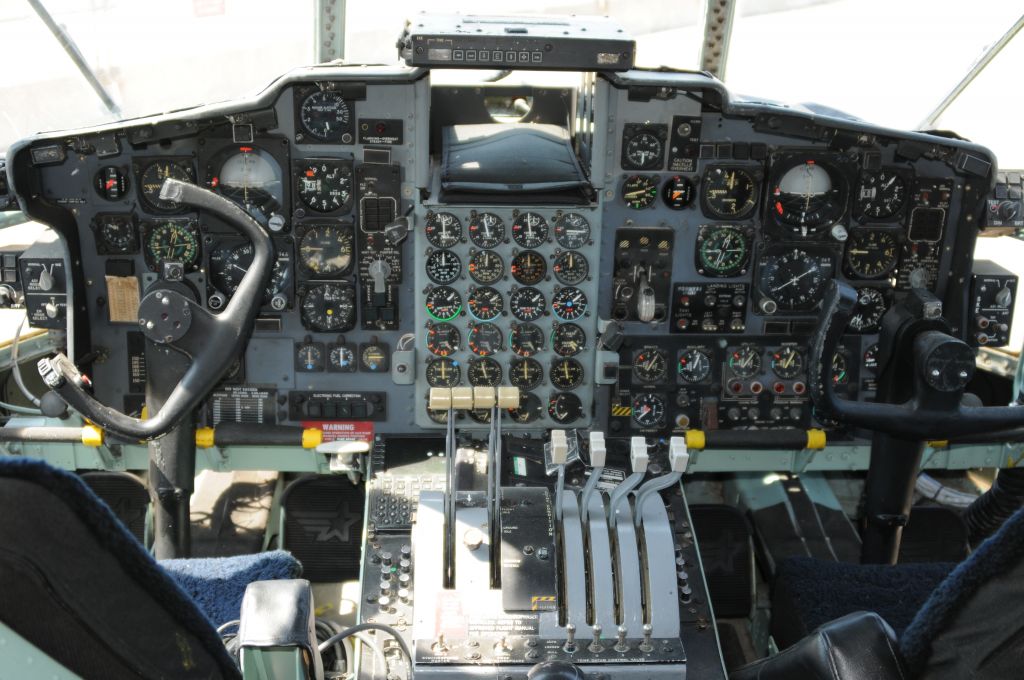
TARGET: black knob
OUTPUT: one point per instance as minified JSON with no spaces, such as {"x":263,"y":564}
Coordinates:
{"x":556,"y":670}
{"x":1008,"y":210}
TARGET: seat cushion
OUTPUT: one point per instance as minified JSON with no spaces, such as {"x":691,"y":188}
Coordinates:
{"x":808,"y":593}
{"x":217,"y":584}
{"x":855,"y":647}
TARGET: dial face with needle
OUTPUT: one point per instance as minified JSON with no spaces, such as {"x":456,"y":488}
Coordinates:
{"x":568,"y":339}
{"x":526,"y":339}
{"x":443,"y":229}
{"x":650,"y":366}
{"x":525,"y":374}
{"x":172,"y":241}
{"x":787,"y":362}
{"x":484,"y":372}
{"x":640,"y":191}
{"x":443,"y":372}
{"x":728,"y":193}
{"x":566,"y":373}
{"x":571,"y":268}
{"x":722,"y":251}
{"x":326,"y":249}
{"x":745,"y":361}
{"x":794,"y":279}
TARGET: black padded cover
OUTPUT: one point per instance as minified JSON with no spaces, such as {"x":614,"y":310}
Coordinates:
{"x":280,"y":614}
{"x":510,"y":163}
{"x":79,"y":587}
{"x":856,"y":647}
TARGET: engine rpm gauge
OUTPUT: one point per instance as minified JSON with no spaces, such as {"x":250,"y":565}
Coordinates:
{"x":486,"y":267}
{"x":650,"y":366}
{"x":527,"y":304}
{"x":486,"y":230}
{"x":722,"y":251}
{"x":572,"y":231}
{"x":326,"y":249}
{"x":443,"y":229}
{"x":566,"y":373}
{"x":326,"y":115}
{"x":529,"y":230}
{"x":325,"y":185}
{"x":443,"y":266}
{"x":529,"y":267}
{"x":443,"y":303}
{"x":728,"y":192}
{"x":485,"y":303}
{"x":571,"y":268}
{"x":871,"y":253}
{"x":526,"y":339}
{"x":443,"y":372}
{"x":443,"y":339}
{"x":881,"y":194}
{"x":569,"y":303}
{"x":640,"y":191}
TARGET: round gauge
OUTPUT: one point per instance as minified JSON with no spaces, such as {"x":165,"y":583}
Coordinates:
{"x":745,"y":361}
{"x":530,"y":409}
{"x":808,"y":196}
{"x":172,"y":241}
{"x":229,"y":263}
{"x":787,"y":362}
{"x":483,"y":372}
{"x":525,"y":374}
{"x":649,"y":410}
{"x":251,"y":178}
{"x":111,"y":183}
{"x":342,"y":359}
{"x":116,"y":233}
{"x":565,"y":407}
{"x":309,"y":357}
{"x":881,"y":194}
{"x":439,"y":417}
{"x":326,"y":249}
{"x":569,"y":303}
{"x":722,"y":251}
{"x":527,"y":304}
{"x":325,"y":185}
{"x":571,"y":268}
{"x":443,"y":229}
{"x":650,"y":366}
{"x":443,"y":372}
{"x":868,"y":312}
{"x":485,"y":303}
{"x":529,"y":268}
{"x":677,"y":192}
{"x":328,"y":307}
{"x":694,"y":366}
{"x":572,"y":231}
{"x":871,"y":253}
{"x":840,"y":376}
{"x":639,"y":191}
{"x":526,"y":339}
{"x":443,"y":266}
{"x":529,"y":230}
{"x":484,"y":339}
{"x":443,"y":339}
{"x":644,"y":151}
{"x":325,"y":115}
{"x":871,"y":357}
{"x":566,"y":373}
{"x":794,"y":279}
{"x":151,"y":180}
{"x":373,"y":358}
{"x":486,"y":267}
{"x":443,"y":303}
{"x":480,"y":415}
{"x":568,"y":339}
{"x":729,"y":193}
{"x":486,"y":230}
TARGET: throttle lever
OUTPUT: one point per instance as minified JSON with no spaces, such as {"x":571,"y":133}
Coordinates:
{"x":167,"y":317}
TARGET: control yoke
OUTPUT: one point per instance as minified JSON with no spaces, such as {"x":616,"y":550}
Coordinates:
{"x":943,"y":365}
{"x":169,"y":317}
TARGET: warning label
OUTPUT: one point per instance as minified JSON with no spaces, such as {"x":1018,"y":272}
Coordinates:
{"x":334,"y":430}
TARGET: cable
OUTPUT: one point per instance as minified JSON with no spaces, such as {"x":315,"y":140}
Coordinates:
{"x":15,"y":369}
{"x":224,"y":626}
{"x":360,"y":627}
{"x":23,"y":410}
{"x":377,"y":651}
{"x":404,"y":340}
